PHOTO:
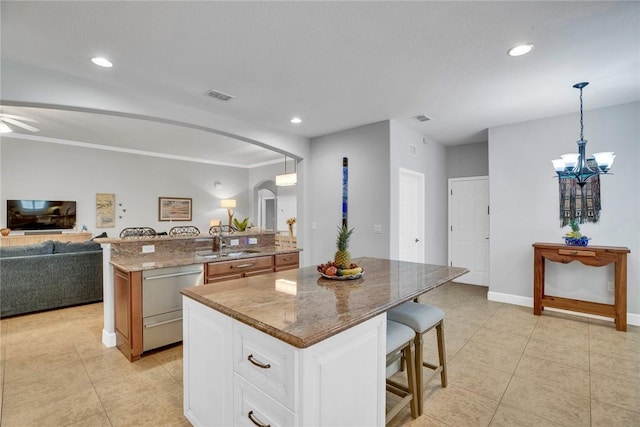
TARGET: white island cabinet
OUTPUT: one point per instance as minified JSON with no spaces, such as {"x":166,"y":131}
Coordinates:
{"x":237,"y":375}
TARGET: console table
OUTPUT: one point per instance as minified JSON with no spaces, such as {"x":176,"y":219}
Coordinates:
{"x":596,"y":256}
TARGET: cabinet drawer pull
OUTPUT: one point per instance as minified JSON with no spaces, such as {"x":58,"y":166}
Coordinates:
{"x":155,"y":325}
{"x":287,"y":259}
{"x":250,"y":264}
{"x":255,"y":420}
{"x":258,"y":363}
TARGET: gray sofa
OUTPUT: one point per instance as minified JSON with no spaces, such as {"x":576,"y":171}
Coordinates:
{"x":49,"y":275}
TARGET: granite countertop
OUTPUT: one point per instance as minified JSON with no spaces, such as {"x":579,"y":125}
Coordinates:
{"x":151,"y":261}
{"x":301,"y":308}
{"x":164,"y":237}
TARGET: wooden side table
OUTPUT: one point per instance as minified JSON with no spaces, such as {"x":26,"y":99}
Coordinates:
{"x":596,"y":256}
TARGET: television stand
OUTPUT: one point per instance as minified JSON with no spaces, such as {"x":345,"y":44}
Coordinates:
{"x":23,"y":240}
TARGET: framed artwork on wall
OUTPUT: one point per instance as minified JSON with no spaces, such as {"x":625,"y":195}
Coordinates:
{"x":174,"y":209}
{"x":105,"y":210}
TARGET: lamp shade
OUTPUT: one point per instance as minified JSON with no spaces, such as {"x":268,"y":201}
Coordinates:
{"x":228,"y":203}
{"x":286,"y":179}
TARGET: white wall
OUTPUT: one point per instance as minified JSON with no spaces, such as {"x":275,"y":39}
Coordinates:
{"x":367,"y":148}
{"x":429,"y":159}
{"x":524,"y":202}
{"x":39,"y":170}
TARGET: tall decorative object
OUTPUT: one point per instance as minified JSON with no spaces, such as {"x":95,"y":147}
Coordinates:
{"x":345,"y":190}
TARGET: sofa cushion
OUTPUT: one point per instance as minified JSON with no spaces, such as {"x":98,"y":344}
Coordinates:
{"x":69,"y":247}
{"x":44,"y":248}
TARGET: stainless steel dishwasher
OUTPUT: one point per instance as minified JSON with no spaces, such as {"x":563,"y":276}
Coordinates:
{"x":162,"y":303}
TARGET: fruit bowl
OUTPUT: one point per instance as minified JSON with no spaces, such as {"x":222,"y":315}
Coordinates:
{"x":577,"y":241}
{"x":331,"y":271}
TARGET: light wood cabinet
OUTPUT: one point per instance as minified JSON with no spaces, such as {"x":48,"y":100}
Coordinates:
{"x":227,"y":270}
{"x":286,"y":261}
{"x":128,"y":312}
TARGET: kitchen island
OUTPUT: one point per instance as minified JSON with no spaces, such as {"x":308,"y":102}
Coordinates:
{"x":293,"y":348}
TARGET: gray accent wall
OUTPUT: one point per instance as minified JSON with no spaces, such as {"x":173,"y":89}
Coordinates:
{"x":468,"y":160}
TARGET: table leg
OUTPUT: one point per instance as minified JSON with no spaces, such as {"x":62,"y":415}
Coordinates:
{"x":538,"y":282}
{"x":621,"y":293}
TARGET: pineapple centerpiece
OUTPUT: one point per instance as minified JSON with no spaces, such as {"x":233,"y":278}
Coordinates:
{"x":343,"y":257}
{"x":341,"y":266}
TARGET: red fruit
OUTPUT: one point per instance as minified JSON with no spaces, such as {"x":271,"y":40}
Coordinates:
{"x":331,"y":271}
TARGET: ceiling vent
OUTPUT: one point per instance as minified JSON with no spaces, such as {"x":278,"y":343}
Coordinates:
{"x":422,"y":118}
{"x":219,"y":95}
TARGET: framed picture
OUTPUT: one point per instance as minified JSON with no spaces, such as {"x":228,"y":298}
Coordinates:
{"x":174,"y":209}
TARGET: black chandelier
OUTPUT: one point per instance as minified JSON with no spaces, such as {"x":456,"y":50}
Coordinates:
{"x":576,"y":165}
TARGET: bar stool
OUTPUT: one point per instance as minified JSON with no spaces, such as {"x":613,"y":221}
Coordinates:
{"x":422,"y":318}
{"x":399,"y":342}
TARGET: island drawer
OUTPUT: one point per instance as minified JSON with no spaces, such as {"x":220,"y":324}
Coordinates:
{"x":286,"y":261}
{"x":267,"y":363}
{"x":252,"y":407}
{"x":239,"y":266}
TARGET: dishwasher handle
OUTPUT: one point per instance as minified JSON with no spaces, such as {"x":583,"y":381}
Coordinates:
{"x":154,"y":325}
{"x":182,"y":273}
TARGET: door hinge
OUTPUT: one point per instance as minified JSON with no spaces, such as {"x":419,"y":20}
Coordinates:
{"x":451,"y":192}
{"x":451,"y":264}
{"x":452,"y":228}
{"x":487,"y":210}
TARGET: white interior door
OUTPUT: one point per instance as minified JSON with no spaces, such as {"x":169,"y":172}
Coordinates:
{"x":411,"y":216}
{"x":469,"y":228}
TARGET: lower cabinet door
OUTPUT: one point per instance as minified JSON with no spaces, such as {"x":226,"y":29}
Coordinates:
{"x":254,"y":408}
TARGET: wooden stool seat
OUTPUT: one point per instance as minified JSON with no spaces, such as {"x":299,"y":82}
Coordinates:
{"x":421,"y":318}
{"x":399,"y":344}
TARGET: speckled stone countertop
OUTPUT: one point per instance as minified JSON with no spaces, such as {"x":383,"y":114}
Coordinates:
{"x":151,"y":261}
{"x":301,"y":308}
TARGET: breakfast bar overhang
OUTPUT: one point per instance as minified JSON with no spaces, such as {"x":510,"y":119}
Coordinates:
{"x":294,"y":348}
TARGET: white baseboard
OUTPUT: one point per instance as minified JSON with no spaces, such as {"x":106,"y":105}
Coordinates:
{"x":108,"y":338}
{"x":632,"y":318}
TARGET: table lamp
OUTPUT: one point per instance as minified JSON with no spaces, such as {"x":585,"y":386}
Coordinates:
{"x":229,"y":203}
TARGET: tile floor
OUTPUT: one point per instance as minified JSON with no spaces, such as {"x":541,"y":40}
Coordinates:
{"x":506,"y":368}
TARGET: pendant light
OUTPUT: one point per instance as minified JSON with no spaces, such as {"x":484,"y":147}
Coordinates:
{"x":287,"y":179}
{"x":576,"y":165}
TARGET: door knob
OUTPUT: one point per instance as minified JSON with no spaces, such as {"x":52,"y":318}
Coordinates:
{"x":417,"y":240}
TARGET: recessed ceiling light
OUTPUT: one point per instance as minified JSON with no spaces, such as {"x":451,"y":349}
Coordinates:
{"x":296,"y":120}
{"x":103,"y":62}
{"x":519,"y":50}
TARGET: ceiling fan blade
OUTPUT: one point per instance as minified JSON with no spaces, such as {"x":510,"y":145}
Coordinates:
{"x":19,"y":124}
{"x":12,"y":116}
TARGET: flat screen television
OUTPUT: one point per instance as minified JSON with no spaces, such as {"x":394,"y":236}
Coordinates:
{"x":41,"y":214}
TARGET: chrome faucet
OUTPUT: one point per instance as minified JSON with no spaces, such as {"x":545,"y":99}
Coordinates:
{"x":218,"y":243}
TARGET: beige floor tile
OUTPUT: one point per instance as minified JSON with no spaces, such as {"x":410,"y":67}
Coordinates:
{"x":463,"y":325}
{"x":614,"y":366}
{"x":614,"y":391}
{"x":508,"y":416}
{"x":459,"y":407}
{"x":538,"y":398}
{"x":54,"y":403}
{"x":479,"y":304}
{"x":490,"y":355}
{"x":513,"y":319}
{"x":97,"y":420}
{"x":153,"y":407}
{"x":477,"y":378}
{"x":404,"y":419}
{"x":605,"y":415}
{"x":553,"y":327}
{"x":563,"y":353}
{"x":171,"y":360}
{"x":509,"y":341}
{"x":43,"y":367}
{"x":571,"y":380}
{"x":606,"y":340}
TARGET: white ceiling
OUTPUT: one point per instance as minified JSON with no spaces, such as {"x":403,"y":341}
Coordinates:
{"x":337,"y":65}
